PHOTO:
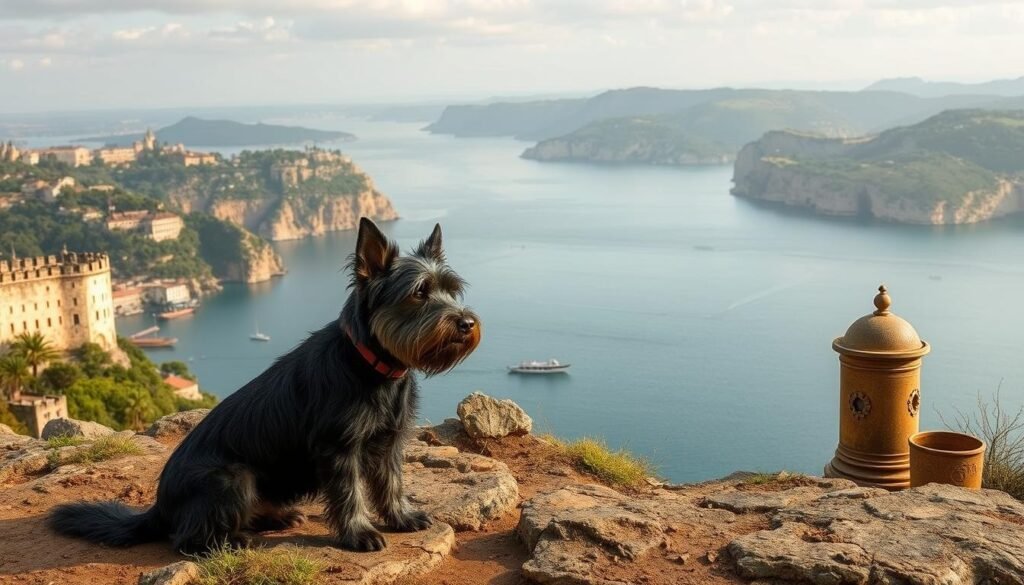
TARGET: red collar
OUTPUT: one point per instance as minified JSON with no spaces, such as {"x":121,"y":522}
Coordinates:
{"x":379,"y":365}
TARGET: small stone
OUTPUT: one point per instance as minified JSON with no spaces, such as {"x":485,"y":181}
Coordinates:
{"x":180,"y":573}
{"x":712,"y":556}
{"x":681,"y":559}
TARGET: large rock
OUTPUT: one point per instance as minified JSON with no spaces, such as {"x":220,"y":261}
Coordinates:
{"x":69,"y":427}
{"x":486,"y":417}
{"x":177,"y":424}
{"x":463,"y":489}
{"x":933,"y":534}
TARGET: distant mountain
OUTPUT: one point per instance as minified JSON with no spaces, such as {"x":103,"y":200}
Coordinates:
{"x":921,"y":88}
{"x":193,"y":131}
{"x":960,"y":166}
{"x":712,"y":132}
{"x":545,"y":119}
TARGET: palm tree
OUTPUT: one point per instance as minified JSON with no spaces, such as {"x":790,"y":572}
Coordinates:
{"x":35,"y":349}
{"x":135,"y":412}
{"x":13,"y":374}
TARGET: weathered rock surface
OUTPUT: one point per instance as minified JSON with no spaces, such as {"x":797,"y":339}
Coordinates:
{"x":461,"y":489}
{"x":450,"y":432}
{"x":177,"y":424}
{"x":69,"y":427}
{"x":576,"y":533}
{"x":933,"y":534}
{"x":180,"y":573}
{"x":486,"y":417}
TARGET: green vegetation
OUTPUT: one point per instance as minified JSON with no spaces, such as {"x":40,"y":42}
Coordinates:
{"x":259,"y":566}
{"x":102,"y":449}
{"x":96,"y":388}
{"x":1003,"y":433}
{"x":618,"y":468}
{"x":64,"y":441}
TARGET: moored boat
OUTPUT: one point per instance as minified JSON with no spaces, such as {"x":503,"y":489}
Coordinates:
{"x":551,"y":366}
{"x":153,"y":342}
{"x":176,"y":313}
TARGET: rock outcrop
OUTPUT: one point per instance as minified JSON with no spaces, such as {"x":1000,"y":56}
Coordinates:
{"x":932,"y":534}
{"x":639,"y":150}
{"x":177,"y":424}
{"x":69,"y":427}
{"x":486,"y":417}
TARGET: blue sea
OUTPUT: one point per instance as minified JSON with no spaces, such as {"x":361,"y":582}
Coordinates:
{"x":699,"y":326}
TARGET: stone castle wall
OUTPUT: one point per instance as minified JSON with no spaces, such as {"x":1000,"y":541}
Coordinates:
{"x":66,"y":298}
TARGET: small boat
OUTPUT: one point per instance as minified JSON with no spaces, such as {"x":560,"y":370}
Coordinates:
{"x":176,"y":313}
{"x":551,"y":366}
{"x":258,"y":336}
{"x":154,"y":342}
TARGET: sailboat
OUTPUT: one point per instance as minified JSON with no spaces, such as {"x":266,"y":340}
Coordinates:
{"x":258,"y":336}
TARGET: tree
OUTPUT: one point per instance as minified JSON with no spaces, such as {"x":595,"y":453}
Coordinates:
{"x":13,"y":374}
{"x":60,"y":376}
{"x":136,"y":410}
{"x":35,"y":350}
{"x":178,"y":368}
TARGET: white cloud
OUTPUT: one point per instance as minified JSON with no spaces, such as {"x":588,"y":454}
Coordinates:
{"x":15,"y":64}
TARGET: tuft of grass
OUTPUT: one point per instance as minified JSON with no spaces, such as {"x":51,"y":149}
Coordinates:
{"x":1003,"y":433}
{"x":619,"y":468}
{"x":258,"y":566}
{"x":108,"y":447}
{"x":761,"y":478}
{"x":63,"y":441}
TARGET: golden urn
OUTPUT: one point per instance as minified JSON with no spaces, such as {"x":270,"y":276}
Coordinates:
{"x":879,"y":398}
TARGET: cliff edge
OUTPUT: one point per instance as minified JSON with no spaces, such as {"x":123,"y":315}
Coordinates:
{"x":514,"y":508}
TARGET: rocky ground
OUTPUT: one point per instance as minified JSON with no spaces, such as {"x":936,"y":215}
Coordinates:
{"x":512,"y":509}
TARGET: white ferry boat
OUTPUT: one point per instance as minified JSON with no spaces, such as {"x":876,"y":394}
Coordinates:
{"x":551,"y":366}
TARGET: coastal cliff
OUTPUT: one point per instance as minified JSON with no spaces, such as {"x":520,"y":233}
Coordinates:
{"x":951,"y":169}
{"x":314,"y":216}
{"x":288,"y":195}
{"x":235,"y":254}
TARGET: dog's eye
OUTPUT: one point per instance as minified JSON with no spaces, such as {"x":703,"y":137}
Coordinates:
{"x":422,"y":292}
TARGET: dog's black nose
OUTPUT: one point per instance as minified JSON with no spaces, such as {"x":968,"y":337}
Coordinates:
{"x":466,"y":324}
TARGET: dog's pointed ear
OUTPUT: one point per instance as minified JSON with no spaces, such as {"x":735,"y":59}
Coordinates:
{"x":431,"y":247}
{"x":374,"y":252}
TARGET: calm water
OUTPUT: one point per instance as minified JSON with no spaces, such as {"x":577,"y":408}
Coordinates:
{"x":698,"y":325}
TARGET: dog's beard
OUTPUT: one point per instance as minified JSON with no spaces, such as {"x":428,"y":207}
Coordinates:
{"x":432,"y":348}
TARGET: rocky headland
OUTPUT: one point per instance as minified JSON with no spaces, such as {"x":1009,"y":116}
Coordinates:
{"x":954,"y":168}
{"x":286,"y":195}
{"x":511,"y":508}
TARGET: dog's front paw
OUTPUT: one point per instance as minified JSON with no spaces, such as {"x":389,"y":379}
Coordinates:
{"x":363,"y":540}
{"x":411,"y":521}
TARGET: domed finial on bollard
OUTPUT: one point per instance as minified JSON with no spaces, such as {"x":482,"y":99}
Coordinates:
{"x":882,"y":301}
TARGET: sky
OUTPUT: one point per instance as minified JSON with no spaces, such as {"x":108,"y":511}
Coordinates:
{"x":78,"y":54}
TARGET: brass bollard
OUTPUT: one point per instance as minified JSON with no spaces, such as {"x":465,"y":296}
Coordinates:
{"x":879,"y":398}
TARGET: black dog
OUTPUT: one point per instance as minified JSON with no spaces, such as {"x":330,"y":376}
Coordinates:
{"x":324,"y":419}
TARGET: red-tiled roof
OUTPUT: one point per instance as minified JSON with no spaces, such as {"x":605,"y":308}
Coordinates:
{"x":178,"y":383}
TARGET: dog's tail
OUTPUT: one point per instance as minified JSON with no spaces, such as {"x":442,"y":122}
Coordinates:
{"x":109,"y":523}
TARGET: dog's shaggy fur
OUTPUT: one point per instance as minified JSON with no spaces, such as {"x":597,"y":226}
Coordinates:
{"x":321,"y":420}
